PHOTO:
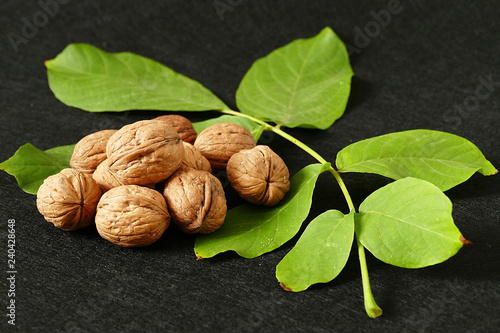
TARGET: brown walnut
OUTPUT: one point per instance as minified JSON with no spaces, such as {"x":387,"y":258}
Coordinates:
{"x":144,"y":152}
{"x":68,"y":199}
{"x":182,"y":125}
{"x":196,"y":201}
{"x":194,"y":159}
{"x":259,"y":175}
{"x":90,"y":151}
{"x":105,"y":178}
{"x":132,"y":215}
{"x":220,"y":141}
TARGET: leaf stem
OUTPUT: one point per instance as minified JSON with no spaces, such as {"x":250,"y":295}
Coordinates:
{"x":342,"y":186}
{"x":299,"y":144}
{"x":256,"y":120}
{"x":371,"y":307}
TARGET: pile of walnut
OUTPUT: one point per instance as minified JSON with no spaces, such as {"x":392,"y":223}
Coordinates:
{"x":134,"y":180}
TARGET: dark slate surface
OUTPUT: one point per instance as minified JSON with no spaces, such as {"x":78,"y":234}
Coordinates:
{"x":424,"y":67}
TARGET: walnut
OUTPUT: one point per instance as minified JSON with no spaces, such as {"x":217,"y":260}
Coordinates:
{"x":194,"y":159}
{"x":144,"y":152}
{"x":90,"y":151}
{"x":196,"y":201}
{"x":105,"y":178}
{"x":132,"y":215}
{"x":220,"y":141}
{"x":259,"y":175}
{"x":182,"y":125}
{"x":68,"y":199}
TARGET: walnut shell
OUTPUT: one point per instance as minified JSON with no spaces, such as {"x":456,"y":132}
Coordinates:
{"x":194,"y":159}
{"x":105,"y":178}
{"x":68,"y":199}
{"x":220,"y":141}
{"x":182,"y":125}
{"x":259,"y":175}
{"x":90,"y":151}
{"x":144,"y":152}
{"x":132,"y":215}
{"x":196,"y":201}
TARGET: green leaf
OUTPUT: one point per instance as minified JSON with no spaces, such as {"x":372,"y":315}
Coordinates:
{"x":408,"y":223}
{"x":31,"y":166}
{"x":91,"y":79}
{"x":253,"y":127}
{"x":441,"y":158}
{"x":303,"y":84}
{"x":252,"y":230}
{"x":320,"y":254}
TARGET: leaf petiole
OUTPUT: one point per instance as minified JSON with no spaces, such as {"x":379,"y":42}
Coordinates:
{"x":371,"y":307}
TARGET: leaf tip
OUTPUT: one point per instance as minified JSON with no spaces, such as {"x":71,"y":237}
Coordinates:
{"x":47,"y":63}
{"x":282,"y":285}
{"x":464,"y":241}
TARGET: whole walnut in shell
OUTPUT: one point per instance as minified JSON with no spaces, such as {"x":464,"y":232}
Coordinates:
{"x":68,"y":199}
{"x":182,"y":125}
{"x":196,"y":201}
{"x":220,"y":141}
{"x":259,"y":175}
{"x":90,"y":151}
{"x":194,"y":159}
{"x":144,"y":152}
{"x":132,"y":215}
{"x":105,"y":178}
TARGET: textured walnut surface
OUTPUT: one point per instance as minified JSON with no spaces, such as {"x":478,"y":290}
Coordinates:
{"x":90,"y":151}
{"x":68,"y":199}
{"x":259,"y":175}
{"x":105,"y":178}
{"x":182,"y":125}
{"x":196,"y":201}
{"x":194,"y":159}
{"x":132,"y":215}
{"x":220,"y":141}
{"x":144,"y":152}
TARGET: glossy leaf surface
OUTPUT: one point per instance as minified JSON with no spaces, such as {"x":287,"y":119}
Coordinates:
{"x":31,"y":166}
{"x":408,"y":223}
{"x":320,"y":254}
{"x":303,"y":84}
{"x":441,"y":158}
{"x":86,"y":77}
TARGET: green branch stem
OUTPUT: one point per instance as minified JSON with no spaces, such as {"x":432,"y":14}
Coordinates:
{"x":371,"y":307}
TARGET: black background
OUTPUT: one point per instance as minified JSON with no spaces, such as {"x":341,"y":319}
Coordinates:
{"x":417,"y":71}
